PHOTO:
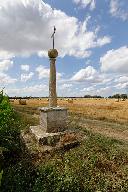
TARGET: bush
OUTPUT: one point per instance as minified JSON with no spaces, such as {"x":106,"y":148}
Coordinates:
{"x":16,"y":174}
{"x":9,"y":133}
{"x":9,"y":130}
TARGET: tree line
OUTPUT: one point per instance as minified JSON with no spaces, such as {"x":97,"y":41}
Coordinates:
{"x":115,"y":96}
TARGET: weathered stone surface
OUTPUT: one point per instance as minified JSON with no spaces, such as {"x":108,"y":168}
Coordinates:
{"x":52,"y":84}
{"x":53,"y":119}
{"x":52,"y":53}
{"x":33,"y":145}
{"x":44,"y":138}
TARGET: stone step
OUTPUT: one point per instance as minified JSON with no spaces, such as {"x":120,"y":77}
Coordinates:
{"x":38,"y":152}
{"x":32,"y":147}
{"x":50,"y":139}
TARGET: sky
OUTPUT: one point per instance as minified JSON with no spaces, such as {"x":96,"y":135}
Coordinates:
{"x":91,"y":39}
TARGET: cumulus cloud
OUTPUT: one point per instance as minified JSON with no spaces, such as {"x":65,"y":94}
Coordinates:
{"x":85,"y":3}
{"x":5,"y":65}
{"x":6,"y":79}
{"x":88,"y":73}
{"x":30,"y":23}
{"x":90,"y":76}
{"x":119,"y":9}
{"x":25,"y":67}
{"x":44,"y":72}
{"x":26,"y":77}
{"x":115,"y":60}
{"x":121,"y":83}
{"x":103,"y":41}
{"x":28,"y":90}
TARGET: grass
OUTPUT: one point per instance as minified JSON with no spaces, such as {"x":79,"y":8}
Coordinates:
{"x":100,"y":163}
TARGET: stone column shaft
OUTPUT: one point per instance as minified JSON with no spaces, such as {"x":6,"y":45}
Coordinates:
{"x":52,"y":53}
{"x":52,"y":84}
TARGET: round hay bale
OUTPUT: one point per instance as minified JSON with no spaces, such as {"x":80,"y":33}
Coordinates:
{"x":70,"y":101}
{"x":22,"y":102}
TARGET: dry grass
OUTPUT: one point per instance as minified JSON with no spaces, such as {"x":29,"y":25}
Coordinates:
{"x":68,"y":138}
{"x":101,"y":109}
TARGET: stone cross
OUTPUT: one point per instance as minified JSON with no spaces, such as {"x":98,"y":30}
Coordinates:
{"x":52,"y":53}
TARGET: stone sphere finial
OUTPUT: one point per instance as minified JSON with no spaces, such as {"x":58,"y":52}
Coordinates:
{"x":52,"y":53}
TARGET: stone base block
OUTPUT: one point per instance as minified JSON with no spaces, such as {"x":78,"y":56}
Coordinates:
{"x":40,"y":145}
{"x":53,"y":120}
{"x":44,"y":138}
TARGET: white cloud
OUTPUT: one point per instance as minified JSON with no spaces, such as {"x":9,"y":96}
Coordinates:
{"x":121,"y":85}
{"x":5,"y":55}
{"x":34,"y":90}
{"x":26,"y":77}
{"x":44,"y":72}
{"x":122,"y":79}
{"x":105,"y":91}
{"x":88,"y":90}
{"x":115,"y":60}
{"x":91,"y":77}
{"x":103,"y":41}
{"x":25,"y":67}
{"x":33,"y":21}
{"x":87,"y":73}
{"x":5,"y":65}
{"x":65,"y":86}
{"x":59,"y":75}
{"x":119,"y":9}
{"x":113,"y":7}
{"x":85,"y":3}
{"x":6,"y":79}
{"x":93,"y":5}
{"x":43,"y":53}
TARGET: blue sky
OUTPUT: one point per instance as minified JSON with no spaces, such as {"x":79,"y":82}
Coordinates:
{"x":91,"y":39}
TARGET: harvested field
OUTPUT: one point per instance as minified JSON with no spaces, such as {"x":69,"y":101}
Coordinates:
{"x":105,"y":116}
{"x":100,"y":109}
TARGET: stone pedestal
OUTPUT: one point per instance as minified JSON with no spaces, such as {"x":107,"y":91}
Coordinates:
{"x":53,"y":120}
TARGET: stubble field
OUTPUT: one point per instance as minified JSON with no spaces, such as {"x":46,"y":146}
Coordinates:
{"x":101,"y":109}
{"x":105,"y":116}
